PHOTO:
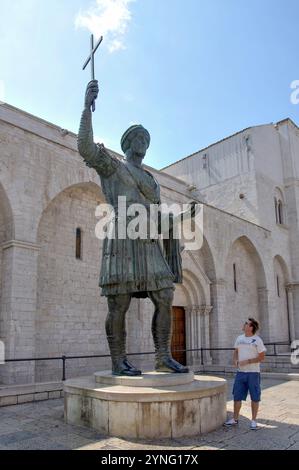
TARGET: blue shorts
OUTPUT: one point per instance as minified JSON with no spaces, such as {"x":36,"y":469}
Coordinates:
{"x":247,"y":381}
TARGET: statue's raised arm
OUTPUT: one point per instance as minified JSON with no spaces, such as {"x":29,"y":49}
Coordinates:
{"x":94,"y":155}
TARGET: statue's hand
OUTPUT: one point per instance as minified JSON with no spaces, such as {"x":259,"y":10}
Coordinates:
{"x":91,"y":94}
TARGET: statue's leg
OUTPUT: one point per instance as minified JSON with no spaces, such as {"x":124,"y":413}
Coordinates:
{"x":116,"y":334}
{"x":161,"y":330}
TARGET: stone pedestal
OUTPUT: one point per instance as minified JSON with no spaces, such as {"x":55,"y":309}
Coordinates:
{"x":149,"y":406}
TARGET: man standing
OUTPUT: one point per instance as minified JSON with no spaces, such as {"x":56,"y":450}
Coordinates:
{"x":249,"y":352}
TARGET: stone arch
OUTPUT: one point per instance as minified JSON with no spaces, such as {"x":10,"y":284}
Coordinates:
{"x":208,"y":258}
{"x":7,"y":230}
{"x":58,"y":178}
{"x":207,"y":261}
{"x":279,"y":259}
{"x":70,"y":310}
{"x":198,"y":277}
{"x":281,"y":280}
{"x":251,"y":296}
{"x":195,"y":315}
{"x":183,"y":296}
{"x":192,"y":295}
{"x":6,"y":234}
{"x":193,"y":288}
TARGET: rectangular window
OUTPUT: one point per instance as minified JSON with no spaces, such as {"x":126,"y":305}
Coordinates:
{"x":78,"y":243}
{"x":277,"y":286}
{"x":235,"y":277}
{"x":279,"y":209}
{"x":275,"y":205}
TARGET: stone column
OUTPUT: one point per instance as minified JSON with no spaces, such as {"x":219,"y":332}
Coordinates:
{"x":18,"y":309}
{"x":198,"y":333}
{"x":193,"y":334}
{"x":205,"y":316}
{"x":295,"y":295}
{"x":189,"y":339}
{"x":220,"y":336}
{"x":264,"y":318}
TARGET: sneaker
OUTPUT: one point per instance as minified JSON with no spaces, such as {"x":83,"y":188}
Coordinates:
{"x":231,"y":422}
{"x":253,"y":425}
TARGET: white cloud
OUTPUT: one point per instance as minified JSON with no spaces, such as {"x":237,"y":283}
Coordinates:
{"x":116,"y":45}
{"x":108,"y":18}
{"x":2,"y":91}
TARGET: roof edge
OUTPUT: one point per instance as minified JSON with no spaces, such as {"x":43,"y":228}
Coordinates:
{"x":36,"y":118}
{"x":216,"y":143}
{"x":287,"y":120}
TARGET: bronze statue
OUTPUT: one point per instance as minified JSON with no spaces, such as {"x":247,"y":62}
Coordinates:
{"x":132,"y":267}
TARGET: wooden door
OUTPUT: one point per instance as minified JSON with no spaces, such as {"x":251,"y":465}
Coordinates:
{"x":178,"y":342}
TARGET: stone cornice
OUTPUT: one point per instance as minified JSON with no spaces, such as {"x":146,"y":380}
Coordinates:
{"x":199,"y":309}
{"x":19,"y":244}
{"x":291,"y":285}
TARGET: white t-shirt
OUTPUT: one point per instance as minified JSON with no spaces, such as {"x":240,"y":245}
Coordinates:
{"x":249,"y":347}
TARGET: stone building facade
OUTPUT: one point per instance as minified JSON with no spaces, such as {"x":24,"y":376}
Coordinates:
{"x":254,"y":175}
{"x":50,"y":303}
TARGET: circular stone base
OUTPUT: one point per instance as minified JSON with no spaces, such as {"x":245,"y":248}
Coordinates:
{"x":147,"y":379}
{"x":147,"y":412}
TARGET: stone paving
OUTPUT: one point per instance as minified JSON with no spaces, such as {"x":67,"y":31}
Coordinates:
{"x":40,"y":425}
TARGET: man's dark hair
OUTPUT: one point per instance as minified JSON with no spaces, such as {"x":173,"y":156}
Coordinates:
{"x":255,"y":325}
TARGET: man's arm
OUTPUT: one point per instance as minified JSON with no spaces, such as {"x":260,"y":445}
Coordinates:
{"x":235,"y":357}
{"x":255,"y":360}
{"x":95,"y":156}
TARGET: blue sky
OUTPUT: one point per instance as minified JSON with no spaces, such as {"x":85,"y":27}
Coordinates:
{"x":191,"y":71}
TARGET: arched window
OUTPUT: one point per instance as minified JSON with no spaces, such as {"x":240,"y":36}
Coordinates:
{"x":78,"y":243}
{"x":280,"y":215}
